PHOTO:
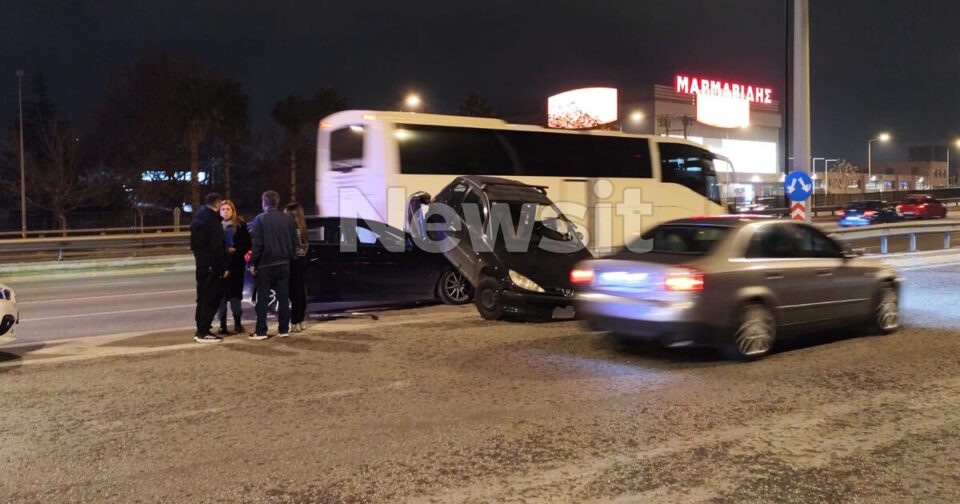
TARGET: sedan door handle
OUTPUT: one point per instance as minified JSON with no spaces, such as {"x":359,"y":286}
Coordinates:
{"x":774,"y":275}
{"x":824,"y":272}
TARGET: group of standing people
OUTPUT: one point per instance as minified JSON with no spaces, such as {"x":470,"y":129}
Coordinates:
{"x":273,"y":248}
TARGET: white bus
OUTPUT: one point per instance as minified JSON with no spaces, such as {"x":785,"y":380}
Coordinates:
{"x":614,"y":185}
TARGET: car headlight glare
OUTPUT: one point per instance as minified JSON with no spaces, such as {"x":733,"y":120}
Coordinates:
{"x":524,"y":282}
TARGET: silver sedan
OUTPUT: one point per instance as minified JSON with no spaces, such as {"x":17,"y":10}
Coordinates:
{"x":737,"y":283}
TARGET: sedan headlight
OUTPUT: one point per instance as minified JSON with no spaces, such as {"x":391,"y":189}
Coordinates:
{"x":524,"y":282}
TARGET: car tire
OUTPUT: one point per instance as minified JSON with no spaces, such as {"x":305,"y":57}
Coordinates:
{"x":885,"y":315}
{"x":754,"y":332}
{"x":453,"y":288}
{"x":487,"y":299}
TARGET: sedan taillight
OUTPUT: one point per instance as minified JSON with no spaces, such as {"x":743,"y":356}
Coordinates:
{"x":841,"y":213}
{"x":869,"y":213}
{"x":684,"y":280}
{"x":581,"y":275}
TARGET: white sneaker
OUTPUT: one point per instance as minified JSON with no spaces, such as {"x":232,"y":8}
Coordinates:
{"x":284,"y":335}
{"x":258,"y":337}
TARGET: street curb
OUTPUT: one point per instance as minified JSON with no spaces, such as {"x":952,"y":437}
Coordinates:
{"x":925,"y":258}
{"x":94,"y":267}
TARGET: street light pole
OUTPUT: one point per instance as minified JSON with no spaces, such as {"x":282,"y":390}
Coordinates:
{"x":826,"y":175}
{"x":883,"y":137}
{"x":813,"y":167}
{"x":23,"y":186}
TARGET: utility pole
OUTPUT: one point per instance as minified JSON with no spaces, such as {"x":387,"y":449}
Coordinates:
{"x":23,"y":186}
{"x":801,"y":90}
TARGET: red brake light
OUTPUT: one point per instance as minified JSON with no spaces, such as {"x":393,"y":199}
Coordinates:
{"x":869,"y":213}
{"x":684,"y":280}
{"x":581,"y":275}
{"x":841,"y":213}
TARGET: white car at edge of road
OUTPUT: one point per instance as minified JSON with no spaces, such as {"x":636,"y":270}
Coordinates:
{"x":9,"y":315}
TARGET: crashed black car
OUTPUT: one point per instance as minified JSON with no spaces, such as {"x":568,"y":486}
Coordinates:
{"x":507,"y":239}
{"x":357,"y":264}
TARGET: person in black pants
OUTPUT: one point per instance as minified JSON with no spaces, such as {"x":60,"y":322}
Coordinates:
{"x":298,"y":268}
{"x":206,"y":242}
{"x":237,"y":243}
{"x":274,"y":242}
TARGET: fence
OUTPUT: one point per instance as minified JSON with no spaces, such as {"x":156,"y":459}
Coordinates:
{"x":138,"y":221}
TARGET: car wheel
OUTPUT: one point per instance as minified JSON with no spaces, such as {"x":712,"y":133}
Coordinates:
{"x":453,"y":288}
{"x":885,"y":317}
{"x":754,"y":334}
{"x":487,"y":299}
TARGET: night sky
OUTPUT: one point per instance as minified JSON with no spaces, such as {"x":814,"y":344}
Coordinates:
{"x":876,"y":65}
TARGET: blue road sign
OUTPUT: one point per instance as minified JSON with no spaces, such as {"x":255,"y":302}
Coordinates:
{"x":798,"y":185}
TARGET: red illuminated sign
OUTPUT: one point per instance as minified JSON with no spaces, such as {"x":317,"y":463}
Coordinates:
{"x":700,"y":86}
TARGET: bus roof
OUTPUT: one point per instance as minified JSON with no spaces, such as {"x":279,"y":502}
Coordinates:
{"x":347,"y":117}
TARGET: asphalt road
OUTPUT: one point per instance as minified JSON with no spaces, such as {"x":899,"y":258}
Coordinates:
{"x":437,"y":405}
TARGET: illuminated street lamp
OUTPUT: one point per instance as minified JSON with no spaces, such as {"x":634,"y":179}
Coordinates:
{"x":636,"y":116}
{"x":883,"y":137}
{"x":412,"y":101}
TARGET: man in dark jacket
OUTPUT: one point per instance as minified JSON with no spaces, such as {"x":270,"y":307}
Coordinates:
{"x":206,"y":241}
{"x":274,"y":242}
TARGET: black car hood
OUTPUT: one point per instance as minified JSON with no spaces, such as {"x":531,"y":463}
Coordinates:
{"x":549,"y":269}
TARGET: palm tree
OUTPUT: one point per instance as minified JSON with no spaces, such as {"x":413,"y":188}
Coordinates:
{"x":200,"y":114}
{"x":298,"y":116}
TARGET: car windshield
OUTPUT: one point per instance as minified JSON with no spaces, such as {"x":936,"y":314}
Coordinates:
{"x":682,"y":239}
{"x":548,"y":220}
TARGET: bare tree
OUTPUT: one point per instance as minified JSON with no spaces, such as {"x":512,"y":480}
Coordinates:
{"x":846,"y":175}
{"x":475,"y":105}
{"x":54,"y":179}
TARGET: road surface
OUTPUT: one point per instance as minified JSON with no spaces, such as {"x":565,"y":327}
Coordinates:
{"x":437,"y":405}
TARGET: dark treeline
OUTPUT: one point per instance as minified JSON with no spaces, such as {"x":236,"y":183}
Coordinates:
{"x":162,"y":124}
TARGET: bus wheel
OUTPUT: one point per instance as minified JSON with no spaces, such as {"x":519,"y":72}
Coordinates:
{"x":487,"y":299}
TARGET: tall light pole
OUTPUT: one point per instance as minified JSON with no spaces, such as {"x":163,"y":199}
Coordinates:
{"x":826,"y":175}
{"x":957,"y":144}
{"x":813,"y":168}
{"x":882,"y":137}
{"x":23,"y":186}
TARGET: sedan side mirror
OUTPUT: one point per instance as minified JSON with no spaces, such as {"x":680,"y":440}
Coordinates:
{"x":850,"y":252}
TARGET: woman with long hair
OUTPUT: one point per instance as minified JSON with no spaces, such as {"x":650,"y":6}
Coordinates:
{"x":298,"y":268}
{"x":236,"y":239}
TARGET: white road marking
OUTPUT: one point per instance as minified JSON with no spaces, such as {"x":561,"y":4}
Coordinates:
{"x":100,"y":314}
{"x":929,"y":266}
{"x":87,"y":298}
{"x":82,"y":285}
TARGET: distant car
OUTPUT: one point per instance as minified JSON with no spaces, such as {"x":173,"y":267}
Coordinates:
{"x":9,"y":314}
{"x":757,"y":205}
{"x":864,"y":213}
{"x":921,"y":206}
{"x":359,"y":264}
{"x":531,"y":284}
{"x":735,"y":283}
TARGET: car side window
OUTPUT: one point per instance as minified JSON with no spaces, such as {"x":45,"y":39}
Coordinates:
{"x":772,"y":242}
{"x":813,"y":243}
{"x":473,"y":200}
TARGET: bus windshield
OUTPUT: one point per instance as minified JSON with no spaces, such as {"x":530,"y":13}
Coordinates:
{"x":691,"y":167}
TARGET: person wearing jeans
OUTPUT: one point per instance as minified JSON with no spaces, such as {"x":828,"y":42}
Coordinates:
{"x":298,"y":268}
{"x":274,"y":243}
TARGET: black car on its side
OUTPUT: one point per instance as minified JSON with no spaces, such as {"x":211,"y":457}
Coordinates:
{"x":527,"y":278}
{"x":358,"y":264}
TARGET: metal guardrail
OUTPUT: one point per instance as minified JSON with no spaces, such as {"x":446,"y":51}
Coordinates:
{"x":79,"y":243}
{"x":885,"y":231}
{"x":832,"y":210}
